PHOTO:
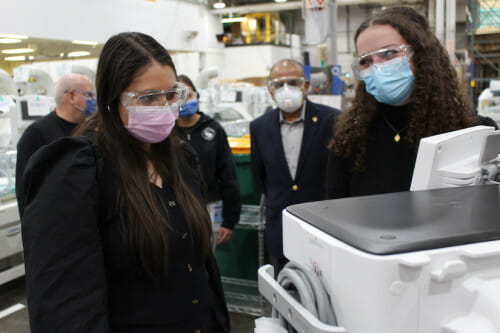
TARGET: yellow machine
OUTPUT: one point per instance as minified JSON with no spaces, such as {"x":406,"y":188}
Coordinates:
{"x":257,"y":28}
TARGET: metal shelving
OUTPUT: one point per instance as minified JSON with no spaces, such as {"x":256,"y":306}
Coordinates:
{"x":483,"y":28}
{"x":242,"y":294}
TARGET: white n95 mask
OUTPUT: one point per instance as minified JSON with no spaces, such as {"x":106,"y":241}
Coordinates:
{"x":289,"y":98}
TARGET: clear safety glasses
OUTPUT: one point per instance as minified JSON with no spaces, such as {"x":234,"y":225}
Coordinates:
{"x":88,"y":94}
{"x":294,"y":81}
{"x":175,"y":96}
{"x":364,"y":64}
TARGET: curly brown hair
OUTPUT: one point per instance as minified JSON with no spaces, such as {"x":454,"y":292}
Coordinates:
{"x":438,"y":103}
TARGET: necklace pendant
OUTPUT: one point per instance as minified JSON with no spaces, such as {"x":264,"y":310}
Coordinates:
{"x":397,"y":138}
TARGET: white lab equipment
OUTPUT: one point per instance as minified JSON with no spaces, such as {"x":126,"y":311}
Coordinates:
{"x":458,"y":158}
{"x":234,"y":117}
{"x":36,"y":97}
{"x":317,"y":79}
{"x":206,"y":75}
{"x":84,"y":70}
{"x":11,"y":259}
{"x":424,"y":261}
{"x":8,"y":108}
{"x":7,"y":84}
{"x":33,"y":81}
{"x":11,"y":249}
{"x":489,"y":101}
{"x":414,"y":262}
{"x":29,"y":108}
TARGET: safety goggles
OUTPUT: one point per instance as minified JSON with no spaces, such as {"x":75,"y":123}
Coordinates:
{"x":294,"y":81}
{"x":175,"y":96}
{"x":365,"y":63}
{"x":86,"y":93}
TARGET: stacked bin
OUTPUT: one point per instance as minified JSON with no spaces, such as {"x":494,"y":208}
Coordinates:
{"x":240,"y":257}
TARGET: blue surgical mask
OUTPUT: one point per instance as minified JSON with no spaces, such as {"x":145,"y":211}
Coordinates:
{"x":189,"y":108}
{"x":91,"y":107}
{"x":390,"y":82}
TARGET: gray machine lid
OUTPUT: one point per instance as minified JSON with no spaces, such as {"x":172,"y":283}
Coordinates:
{"x":409,"y":221}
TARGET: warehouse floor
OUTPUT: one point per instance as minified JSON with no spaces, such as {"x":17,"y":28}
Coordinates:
{"x":14,"y":314}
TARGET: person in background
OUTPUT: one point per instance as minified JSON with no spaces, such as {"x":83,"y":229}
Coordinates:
{"x":116,"y":237}
{"x":289,"y":150}
{"x":407,"y":90}
{"x":75,"y":100}
{"x":209,"y":140}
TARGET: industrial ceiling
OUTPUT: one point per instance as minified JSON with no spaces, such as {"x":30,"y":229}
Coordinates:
{"x":49,"y":50}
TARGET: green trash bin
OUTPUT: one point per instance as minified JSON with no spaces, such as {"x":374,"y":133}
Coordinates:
{"x":250,"y":194}
{"x":239,"y":257}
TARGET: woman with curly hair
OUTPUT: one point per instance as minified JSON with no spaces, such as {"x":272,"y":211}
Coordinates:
{"x":407,"y":90}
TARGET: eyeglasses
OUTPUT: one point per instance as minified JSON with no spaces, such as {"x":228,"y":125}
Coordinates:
{"x":86,"y":93}
{"x":361,"y":64}
{"x":178,"y":95}
{"x":294,"y":81}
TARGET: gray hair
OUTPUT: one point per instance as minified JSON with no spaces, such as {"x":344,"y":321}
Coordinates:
{"x":71,"y":81}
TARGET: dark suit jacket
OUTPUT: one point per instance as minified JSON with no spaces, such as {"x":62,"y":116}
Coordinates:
{"x":270,"y":169}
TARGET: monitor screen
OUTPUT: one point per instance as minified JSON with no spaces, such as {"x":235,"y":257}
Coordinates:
{"x":25,"y":114}
{"x":450,"y":159}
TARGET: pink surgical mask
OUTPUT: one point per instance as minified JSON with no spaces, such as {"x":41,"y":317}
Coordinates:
{"x":151,"y":124}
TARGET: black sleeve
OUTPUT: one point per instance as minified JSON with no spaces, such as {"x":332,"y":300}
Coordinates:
{"x":28,"y":144}
{"x":337,"y":177}
{"x":487,"y":121}
{"x":258,"y":169}
{"x":227,"y":178}
{"x":65,"y":274}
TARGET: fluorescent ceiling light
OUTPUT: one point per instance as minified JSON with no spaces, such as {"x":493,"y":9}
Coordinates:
{"x":219,"y":5}
{"x":279,"y":1}
{"x":17,"y":51}
{"x":78,"y":54}
{"x":234,"y":19}
{"x":31,"y":57}
{"x":85,"y":42}
{"x":13,"y":36}
{"x":15,"y":58}
{"x":9,"y":41}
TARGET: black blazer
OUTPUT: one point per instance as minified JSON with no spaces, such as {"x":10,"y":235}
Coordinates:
{"x":270,"y":169}
{"x":81,"y":274}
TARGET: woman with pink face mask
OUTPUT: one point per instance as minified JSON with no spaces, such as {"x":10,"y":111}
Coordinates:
{"x":115,"y":232}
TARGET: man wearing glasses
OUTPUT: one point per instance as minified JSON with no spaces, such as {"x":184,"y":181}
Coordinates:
{"x":289,"y":150}
{"x":75,"y":99}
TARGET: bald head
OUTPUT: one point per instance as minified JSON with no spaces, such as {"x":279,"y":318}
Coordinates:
{"x":71,"y":82}
{"x":286,"y":67}
{"x":71,"y":93}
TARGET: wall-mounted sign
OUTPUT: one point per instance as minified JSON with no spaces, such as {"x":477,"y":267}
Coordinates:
{"x":21,"y":74}
{"x":38,"y":105}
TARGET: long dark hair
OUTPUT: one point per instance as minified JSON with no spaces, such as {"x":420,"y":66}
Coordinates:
{"x":123,"y":57}
{"x":439,"y":103}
